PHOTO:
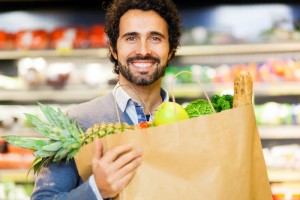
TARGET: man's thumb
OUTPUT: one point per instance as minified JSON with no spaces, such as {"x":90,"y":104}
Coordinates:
{"x":98,"y":149}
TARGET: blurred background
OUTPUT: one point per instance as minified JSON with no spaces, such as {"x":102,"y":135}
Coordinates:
{"x":54,"y":52}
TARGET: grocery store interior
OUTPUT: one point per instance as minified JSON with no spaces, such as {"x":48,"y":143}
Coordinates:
{"x":54,"y":52}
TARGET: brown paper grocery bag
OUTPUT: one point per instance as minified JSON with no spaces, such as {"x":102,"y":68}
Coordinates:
{"x":211,"y":157}
{"x":83,"y":160}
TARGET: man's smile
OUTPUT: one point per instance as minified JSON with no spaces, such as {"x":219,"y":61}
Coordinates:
{"x":142,"y":64}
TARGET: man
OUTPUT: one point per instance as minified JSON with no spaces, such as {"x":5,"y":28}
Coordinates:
{"x":143,"y":37}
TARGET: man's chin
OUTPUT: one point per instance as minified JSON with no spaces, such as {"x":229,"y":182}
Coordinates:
{"x":143,"y":82}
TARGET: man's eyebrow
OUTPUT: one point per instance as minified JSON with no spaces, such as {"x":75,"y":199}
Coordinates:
{"x":157,"y":33}
{"x":151,"y":33}
{"x":129,"y":34}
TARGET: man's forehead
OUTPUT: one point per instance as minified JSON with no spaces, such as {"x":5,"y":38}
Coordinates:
{"x":143,"y":22}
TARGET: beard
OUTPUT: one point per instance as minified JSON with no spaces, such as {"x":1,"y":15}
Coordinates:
{"x":143,"y":78}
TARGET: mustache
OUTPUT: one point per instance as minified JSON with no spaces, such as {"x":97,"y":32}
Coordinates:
{"x":142,"y":58}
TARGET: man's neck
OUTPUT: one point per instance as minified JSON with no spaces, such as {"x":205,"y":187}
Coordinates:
{"x":148,"y":96}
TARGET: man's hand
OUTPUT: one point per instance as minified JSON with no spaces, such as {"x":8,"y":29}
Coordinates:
{"x":114,"y":170}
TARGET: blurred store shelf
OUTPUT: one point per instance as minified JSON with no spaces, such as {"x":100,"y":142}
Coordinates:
{"x":16,"y":54}
{"x":192,"y":50}
{"x":22,"y":131}
{"x":62,"y":95}
{"x":17,"y":175}
{"x":279,"y":132}
{"x":238,"y":49}
{"x":180,"y":91}
{"x":282,"y":175}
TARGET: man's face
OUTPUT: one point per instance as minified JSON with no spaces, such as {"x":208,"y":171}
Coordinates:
{"x":142,"y":47}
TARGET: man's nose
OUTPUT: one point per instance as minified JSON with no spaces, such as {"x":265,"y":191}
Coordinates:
{"x":143,"y":49}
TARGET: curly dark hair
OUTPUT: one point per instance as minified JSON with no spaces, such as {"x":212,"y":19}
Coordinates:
{"x":165,"y":8}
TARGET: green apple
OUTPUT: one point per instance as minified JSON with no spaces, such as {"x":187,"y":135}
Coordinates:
{"x":169,"y":112}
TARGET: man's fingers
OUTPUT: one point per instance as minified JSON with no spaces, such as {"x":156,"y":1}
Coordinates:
{"x":98,"y":149}
{"x":114,"y":169}
{"x":127,"y":158}
{"x":128,"y":168}
{"x":122,"y":182}
{"x":114,"y":153}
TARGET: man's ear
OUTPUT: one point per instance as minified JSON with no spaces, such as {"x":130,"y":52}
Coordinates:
{"x":113,"y":53}
{"x":171,"y":54}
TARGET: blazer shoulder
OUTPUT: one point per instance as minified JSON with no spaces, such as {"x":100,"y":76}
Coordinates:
{"x":98,"y":110}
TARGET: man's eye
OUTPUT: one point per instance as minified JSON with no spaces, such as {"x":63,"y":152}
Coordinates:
{"x":156,"y":39}
{"x":130,"y":39}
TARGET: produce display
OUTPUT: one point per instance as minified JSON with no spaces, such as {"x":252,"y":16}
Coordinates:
{"x":275,"y":114}
{"x":37,"y":39}
{"x":64,"y":138}
{"x":273,"y":70}
{"x":14,"y":157}
{"x":7,"y":40}
{"x":58,"y":38}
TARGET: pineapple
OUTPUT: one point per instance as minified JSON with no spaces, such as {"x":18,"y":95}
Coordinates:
{"x":62,"y":138}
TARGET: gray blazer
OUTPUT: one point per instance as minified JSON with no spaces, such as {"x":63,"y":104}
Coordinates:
{"x":61,"y":181}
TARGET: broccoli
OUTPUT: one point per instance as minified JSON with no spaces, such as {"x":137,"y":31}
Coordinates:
{"x":223,"y":102}
{"x":202,"y":107}
{"x":198,"y":107}
{"x":229,"y":98}
{"x":214,"y":99}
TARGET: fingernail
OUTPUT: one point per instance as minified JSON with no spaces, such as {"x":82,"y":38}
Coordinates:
{"x":138,"y":151}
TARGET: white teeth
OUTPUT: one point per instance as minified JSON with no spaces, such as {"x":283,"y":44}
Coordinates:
{"x":142,"y":65}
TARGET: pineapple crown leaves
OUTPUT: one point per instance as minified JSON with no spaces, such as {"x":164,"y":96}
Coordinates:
{"x":63,"y":137}
{"x":43,"y":128}
{"x":59,"y":127}
{"x":28,"y":143}
{"x":55,"y":118}
{"x":58,"y":119}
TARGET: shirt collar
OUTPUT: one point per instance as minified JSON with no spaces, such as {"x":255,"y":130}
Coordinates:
{"x":123,"y":99}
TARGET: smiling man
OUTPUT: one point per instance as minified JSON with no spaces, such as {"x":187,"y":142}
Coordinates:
{"x":143,"y":54}
{"x":143,"y":37}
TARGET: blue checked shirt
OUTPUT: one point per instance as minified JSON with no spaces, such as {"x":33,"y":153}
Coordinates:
{"x":140,"y":113}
